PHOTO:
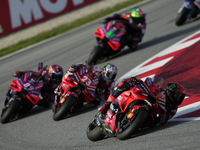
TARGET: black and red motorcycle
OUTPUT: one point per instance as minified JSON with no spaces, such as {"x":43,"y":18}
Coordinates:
{"x":110,"y":40}
{"x":130,"y":111}
{"x":77,"y":88}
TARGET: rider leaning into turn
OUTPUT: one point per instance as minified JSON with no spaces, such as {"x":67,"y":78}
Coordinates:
{"x":172,"y":97}
{"x":51,"y":80}
{"x":136,"y":24}
{"x":105,"y":76}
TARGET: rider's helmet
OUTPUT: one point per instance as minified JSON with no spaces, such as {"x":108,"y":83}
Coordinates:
{"x":109,"y":72}
{"x":137,"y":15}
{"x":55,"y":73}
{"x":175,"y":93}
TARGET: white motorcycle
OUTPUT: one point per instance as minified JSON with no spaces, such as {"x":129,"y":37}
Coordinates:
{"x":190,"y":9}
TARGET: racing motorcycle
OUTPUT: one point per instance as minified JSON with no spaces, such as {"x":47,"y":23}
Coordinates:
{"x":190,"y":9}
{"x":130,"y":111}
{"x":24,"y":93}
{"x":110,"y":40}
{"x":76,"y":89}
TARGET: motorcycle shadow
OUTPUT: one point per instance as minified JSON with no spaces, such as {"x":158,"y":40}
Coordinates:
{"x":119,"y":54}
{"x":85,"y":109}
{"x":192,"y":20}
{"x":34,"y":111}
{"x":148,"y":130}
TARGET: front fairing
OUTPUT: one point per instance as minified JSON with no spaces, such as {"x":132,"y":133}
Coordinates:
{"x":28,"y":86}
{"x":112,"y":33}
{"x":119,"y":106}
{"x":79,"y":82}
{"x":187,"y":4}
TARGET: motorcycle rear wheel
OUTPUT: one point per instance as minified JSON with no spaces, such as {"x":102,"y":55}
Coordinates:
{"x":95,"y":55}
{"x":63,"y":109}
{"x":135,"y":125}
{"x":11,"y":110}
{"x":94,"y":133}
{"x":182,"y":16}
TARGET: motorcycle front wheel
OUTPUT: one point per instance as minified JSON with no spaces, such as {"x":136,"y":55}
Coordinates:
{"x":64,"y":108}
{"x":11,"y":109}
{"x":94,"y":133}
{"x":133,"y":126}
{"x":182,"y":16}
{"x":95,"y":55}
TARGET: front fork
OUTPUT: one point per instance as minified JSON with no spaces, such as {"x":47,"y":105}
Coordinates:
{"x":100,"y":43}
{"x":189,"y":5}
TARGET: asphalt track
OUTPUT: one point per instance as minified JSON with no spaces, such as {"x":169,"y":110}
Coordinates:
{"x":37,"y":130}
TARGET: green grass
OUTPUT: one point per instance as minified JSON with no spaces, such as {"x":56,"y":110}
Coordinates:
{"x":65,"y":28}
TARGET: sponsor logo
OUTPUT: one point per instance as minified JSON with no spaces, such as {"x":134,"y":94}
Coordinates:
{"x":109,"y":130}
{"x":33,"y":95}
{"x":109,"y":114}
{"x":33,"y":10}
{"x":113,"y":109}
{"x":92,"y":93}
{"x":144,"y":94}
{"x":35,"y":92}
{"x":38,"y":87}
{"x":20,"y":82}
{"x":119,"y":98}
{"x":86,"y":80}
{"x":108,"y":120}
{"x":91,"y":89}
{"x":98,"y":122}
{"x":81,"y":72}
{"x":142,"y":85}
{"x":76,"y":77}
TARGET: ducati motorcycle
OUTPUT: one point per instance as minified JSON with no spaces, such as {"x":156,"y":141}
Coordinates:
{"x":24,"y":93}
{"x":130,"y":111}
{"x":76,"y":89}
{"x":110,"y":40}
{"x":190,"y":9}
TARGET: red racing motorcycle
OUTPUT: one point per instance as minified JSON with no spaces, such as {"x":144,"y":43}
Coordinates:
{"x":110,"y":40}
{"x":76,"y":88}
{"x":130,"y":111}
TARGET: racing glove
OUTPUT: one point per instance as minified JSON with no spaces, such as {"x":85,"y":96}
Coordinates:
{"x":73,"y":68}
{"x":134,"y":81}
{"x":57,"y":91}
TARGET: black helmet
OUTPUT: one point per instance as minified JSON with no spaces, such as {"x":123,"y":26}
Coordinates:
{"x":56,"y":73}
{"x":176,"y":93}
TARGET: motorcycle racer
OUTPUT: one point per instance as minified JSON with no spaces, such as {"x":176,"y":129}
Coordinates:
{"x":105,"y":76}
{"x":168,"y":99}
{"x":51,"y":79}
{"x":136,"y":24}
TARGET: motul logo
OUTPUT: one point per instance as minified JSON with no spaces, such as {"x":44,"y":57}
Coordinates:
{"x":29,"y":10}
{"x":19,"y":14}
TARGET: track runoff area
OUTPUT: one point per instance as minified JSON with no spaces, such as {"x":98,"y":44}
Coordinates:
{"x":178,"y":63}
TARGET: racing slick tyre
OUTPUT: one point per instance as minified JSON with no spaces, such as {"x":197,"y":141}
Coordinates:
{"x":10,"y":110}
{"x":53,"y":108}
{"x":63,"y":109}
{"x":182,"y":16}
{"x":134,"y":125}
{"x":95,"y":55}
{"x":94,"y":133}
